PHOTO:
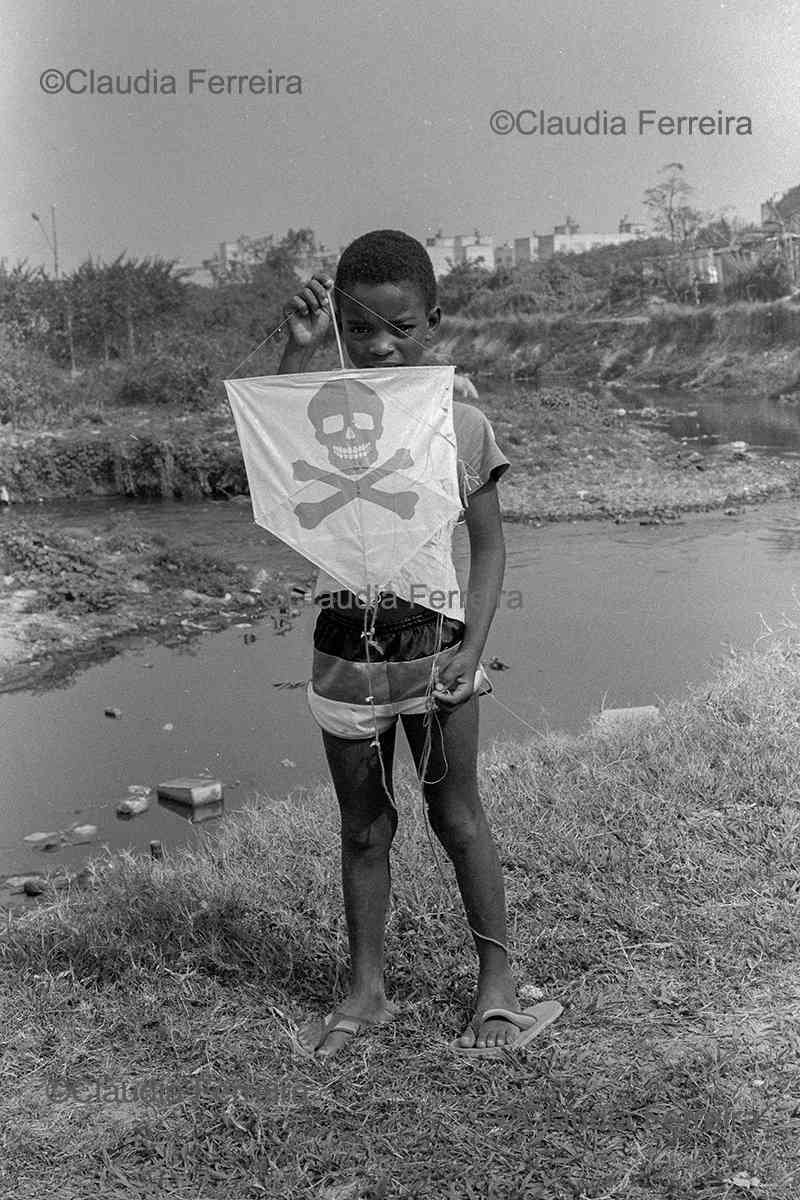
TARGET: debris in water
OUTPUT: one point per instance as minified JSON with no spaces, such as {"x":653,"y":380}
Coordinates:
{"x":43,"y":841}
{"x":115,"y":713}
{"x":132,"y":806}
{"x":198,"y":799}
{"x":193,"y":793}
{"x":79,"y":835}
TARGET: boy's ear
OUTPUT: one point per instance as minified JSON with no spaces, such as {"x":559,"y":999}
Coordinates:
{"x":434,"y":318}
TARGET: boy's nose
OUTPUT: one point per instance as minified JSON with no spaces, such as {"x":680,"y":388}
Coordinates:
{"x":382,"y":346}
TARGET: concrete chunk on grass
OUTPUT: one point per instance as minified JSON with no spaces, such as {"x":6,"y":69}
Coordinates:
{"x":615,"y":721}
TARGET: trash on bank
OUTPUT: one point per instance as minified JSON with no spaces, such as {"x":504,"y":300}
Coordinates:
{"x":624,"y":720}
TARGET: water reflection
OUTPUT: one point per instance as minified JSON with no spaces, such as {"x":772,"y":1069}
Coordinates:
{"x":768,"y":425}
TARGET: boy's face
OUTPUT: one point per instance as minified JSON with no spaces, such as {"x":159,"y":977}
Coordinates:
{"x":391,"y":328}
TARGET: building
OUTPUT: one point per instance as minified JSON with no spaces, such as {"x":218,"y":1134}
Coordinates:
{"x":249,"y":252}
{"x":446,"y":252}
{"x":782,"y":216}
{"x":453,"y":250}
{"x":504,"y":256}
{"x":526,"y":249}
{"x":244,"y":251}
{"x":568,"y":239}
{"x":320,"y":259}
{"x":192,"y":274}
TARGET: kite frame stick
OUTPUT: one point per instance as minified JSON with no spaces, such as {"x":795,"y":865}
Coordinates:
{"x":336,"y":328}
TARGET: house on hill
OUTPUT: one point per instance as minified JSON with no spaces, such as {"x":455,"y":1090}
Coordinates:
{"x":782,"y":216}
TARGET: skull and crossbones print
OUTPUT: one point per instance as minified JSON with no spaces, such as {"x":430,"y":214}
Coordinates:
{"x":347,"y":416}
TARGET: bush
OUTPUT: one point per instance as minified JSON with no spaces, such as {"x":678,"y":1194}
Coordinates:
{"x":765,"y":279}
{"x":31,"y":387}
{"x":165,"y":379}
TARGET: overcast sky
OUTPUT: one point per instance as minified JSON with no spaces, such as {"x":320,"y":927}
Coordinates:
{"x":391,"y":127}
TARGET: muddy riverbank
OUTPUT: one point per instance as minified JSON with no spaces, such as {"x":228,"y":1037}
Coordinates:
{"x":71,"y":593}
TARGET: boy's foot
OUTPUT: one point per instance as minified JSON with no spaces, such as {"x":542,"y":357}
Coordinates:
{"x":496,"y":1031}
{"x":324,"y":1037}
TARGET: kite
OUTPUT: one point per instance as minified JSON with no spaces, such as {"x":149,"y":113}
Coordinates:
{"x":357,"y":471}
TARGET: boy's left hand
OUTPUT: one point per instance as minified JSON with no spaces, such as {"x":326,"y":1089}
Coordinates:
{"x":456,"y":680}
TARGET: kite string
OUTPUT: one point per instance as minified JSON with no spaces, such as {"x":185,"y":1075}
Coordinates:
{"x":355,"y":300}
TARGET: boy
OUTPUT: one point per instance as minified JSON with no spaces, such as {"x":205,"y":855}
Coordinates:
{"x":387,"y":312}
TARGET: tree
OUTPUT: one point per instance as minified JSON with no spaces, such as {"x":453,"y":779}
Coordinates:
{"x":116,"y":302}
{"x":461,"y":284}
{"x":672,"y":215}
{"x":26,"y":301}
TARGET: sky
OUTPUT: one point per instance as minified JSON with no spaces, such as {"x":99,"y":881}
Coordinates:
{"x":390,"y":126}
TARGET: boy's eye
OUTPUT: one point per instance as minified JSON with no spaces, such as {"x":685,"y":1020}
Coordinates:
{"x":366,"y":330}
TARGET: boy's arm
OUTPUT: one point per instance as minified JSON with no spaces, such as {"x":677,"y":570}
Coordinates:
{"x":309,"y":316}
{"x":486,"y":568}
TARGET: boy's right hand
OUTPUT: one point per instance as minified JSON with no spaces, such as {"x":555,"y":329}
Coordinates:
{"x":309,"y":312}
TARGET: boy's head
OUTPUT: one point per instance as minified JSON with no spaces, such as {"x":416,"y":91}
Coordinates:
{"x":389,"y":310}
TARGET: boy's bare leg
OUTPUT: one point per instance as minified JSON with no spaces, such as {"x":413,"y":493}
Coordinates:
{"x":458,"y":820}
{"x":369,"y":822}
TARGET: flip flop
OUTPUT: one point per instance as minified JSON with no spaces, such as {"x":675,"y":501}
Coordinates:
{"x":336,"y":1022}
{"x":530,"y":1022}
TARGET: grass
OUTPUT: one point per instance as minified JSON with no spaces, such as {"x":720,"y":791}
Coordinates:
{"x":653,"y":884}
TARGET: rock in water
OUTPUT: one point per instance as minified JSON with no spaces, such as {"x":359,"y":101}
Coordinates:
{"x":80,"y":834}
{"x":17,"y":884}
{"x":132,"y":806}
{"x":43,"y":841}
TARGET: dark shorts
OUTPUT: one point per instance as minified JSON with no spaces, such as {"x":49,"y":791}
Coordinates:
{"x":355,"y":695}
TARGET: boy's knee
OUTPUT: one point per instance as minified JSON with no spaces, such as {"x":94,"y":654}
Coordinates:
{"x":456,"y":825}
{"x":372,"y":838}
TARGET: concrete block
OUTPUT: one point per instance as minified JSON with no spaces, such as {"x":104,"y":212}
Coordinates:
{"x":191,"y":793}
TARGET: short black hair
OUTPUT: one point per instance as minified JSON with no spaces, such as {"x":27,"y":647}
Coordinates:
{"x":387,"y":256}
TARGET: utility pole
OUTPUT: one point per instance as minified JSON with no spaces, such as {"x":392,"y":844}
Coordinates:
{"x":67,"y":306}
{"x":53,"y":244}
{"x":55,"y":239}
